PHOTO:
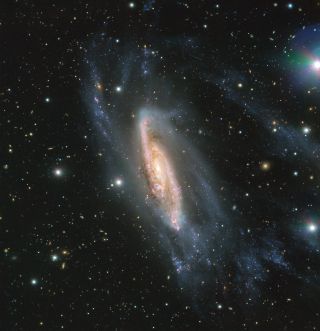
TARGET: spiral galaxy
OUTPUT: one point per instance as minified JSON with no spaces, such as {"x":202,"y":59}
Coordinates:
{"x":160,"y":174}
{"x":160,"y":165}
{"x":175,"y":167}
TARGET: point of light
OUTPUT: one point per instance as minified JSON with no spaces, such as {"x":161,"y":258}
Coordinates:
{"x":54,"y":257}
{"x":132,"y":5}
{"x":316,"y":65}
{"x":34,"y":281}
{"x":118,"y":89}
{"x":58,"y":172}
{"x":119,"y":182}
{"x":47,"y":100}
{"x":290,"y":5}
{"x":312,"y":227}
{"x":306,"y":130}
{"x":265,"y":166}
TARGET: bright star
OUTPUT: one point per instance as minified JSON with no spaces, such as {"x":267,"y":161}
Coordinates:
{"x":47,"y":100}
{"x":312,"y":227}
{"x":316,"y":65}
{"x":34,"y":281}
{"x":118,"y":89}
{"x":58,"y":172}
{"x":118,"y":182}
{"x":306,"y":130}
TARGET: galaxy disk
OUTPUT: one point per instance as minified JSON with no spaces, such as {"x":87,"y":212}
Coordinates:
{"x":159,"y":172}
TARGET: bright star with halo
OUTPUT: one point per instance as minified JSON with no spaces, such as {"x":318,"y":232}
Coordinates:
{"x":316,"y":65}
{"x":58,"y":172}
{"x":312,"y":227}
{"x":119,"y":182}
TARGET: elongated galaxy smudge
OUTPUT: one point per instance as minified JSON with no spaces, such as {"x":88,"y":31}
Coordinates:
{"x":160,"y":175}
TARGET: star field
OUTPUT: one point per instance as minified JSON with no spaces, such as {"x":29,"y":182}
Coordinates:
{"x":232,"y":88}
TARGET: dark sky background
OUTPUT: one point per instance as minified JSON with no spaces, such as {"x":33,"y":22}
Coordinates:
{"x":79,"y":248}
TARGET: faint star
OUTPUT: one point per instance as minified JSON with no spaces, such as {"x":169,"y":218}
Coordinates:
{"x":54,"y":257}
{"x":34,"y":281}
{"x":265,"y":166}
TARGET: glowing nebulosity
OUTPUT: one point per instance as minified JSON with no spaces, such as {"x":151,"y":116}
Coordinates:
{"x":161,"y":179}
